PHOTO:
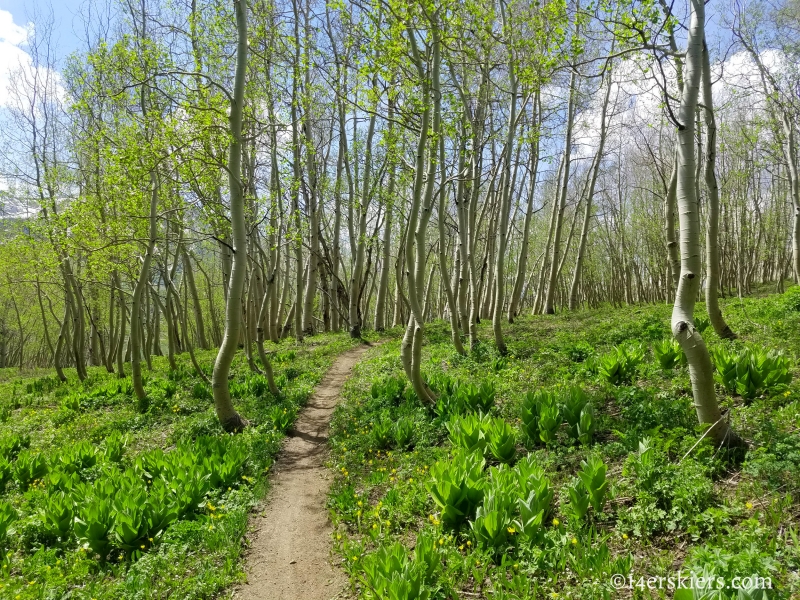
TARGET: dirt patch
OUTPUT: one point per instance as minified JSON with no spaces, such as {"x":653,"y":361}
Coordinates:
{"x":290,"y":549}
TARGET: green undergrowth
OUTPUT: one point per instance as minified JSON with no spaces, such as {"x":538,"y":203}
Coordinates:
{"x":99,"y":501}
{"x":575,"y":458}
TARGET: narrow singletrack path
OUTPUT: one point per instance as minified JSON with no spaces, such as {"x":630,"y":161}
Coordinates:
{"x":289,"y":555}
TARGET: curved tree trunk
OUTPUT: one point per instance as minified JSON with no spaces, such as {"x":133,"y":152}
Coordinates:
{"x":700,"y":367}
{"x":712,"y":229}
{"x":419,"y":214}
{"x":226,"y":413}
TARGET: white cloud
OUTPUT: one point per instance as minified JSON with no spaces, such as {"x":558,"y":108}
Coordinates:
{"x":10,"y":32}
{"x":12,"y":56}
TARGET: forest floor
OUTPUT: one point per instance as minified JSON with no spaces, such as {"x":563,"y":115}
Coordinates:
{"x":98,"y":501}
{"x":431,"y":497}
{"x":289,"y":556}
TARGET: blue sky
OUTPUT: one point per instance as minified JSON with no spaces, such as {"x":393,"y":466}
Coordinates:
{"x":16,"y":17}
{"x":64,"y":12}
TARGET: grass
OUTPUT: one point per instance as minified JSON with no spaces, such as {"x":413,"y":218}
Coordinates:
{"x":198,"y":555}
{"x":673,"y":501}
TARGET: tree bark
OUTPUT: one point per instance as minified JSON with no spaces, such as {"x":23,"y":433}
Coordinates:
{"x":559,"y":205}
{"x":226,"y":413}
{"x":700,"y":367}
{"x":712,"y":228}
{"x":587,"y":215}
{"x":142,"y":403}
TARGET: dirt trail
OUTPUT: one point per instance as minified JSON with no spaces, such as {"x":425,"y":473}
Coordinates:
{"x":289,"y":555}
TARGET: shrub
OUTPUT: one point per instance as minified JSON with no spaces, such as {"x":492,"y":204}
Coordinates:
{"x":6,"y":469}
{"x":751,"y":372}
{"x":281,"y":417}
{"x":11,"y":446}
{"x":465,"y":398}
{"x":791,"y":299}
{"x":534,"y":498}
{"x":501,"y":440}
{"x":468,"y":432}
{"x":578,"y":412}
{"x":619,"y":365}
{"x":668,"y":495}
{"x":669,"y":353}
{"x":114,"y":447}
{"x":589,"y":489}
{"x":492,"y":523}
{"x":701,"y":323}
{"x":540,"y":416}
{"x":404,"y":432}
{"x":93,"y":524}
{"x":77,"y":457}
{"x":200,"y":391}
{"x":579,"y":351}
{"x":389,"y":390}
{"x":59,"y":513}
{"x":389,"y":574}
{"x":456,"y":486}
{"x":7,"y":517}
{"x":30,"y":467}
{"x":383,"y":432}
{"x":71,"y":402}
{"x":130,"y":529}
{"x":593,"y":478}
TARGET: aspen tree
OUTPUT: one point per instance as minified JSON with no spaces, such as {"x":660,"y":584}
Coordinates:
{"x":701,"y":370}
{"x":226,"y":413}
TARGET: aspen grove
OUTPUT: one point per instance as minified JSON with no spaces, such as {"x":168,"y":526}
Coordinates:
{"x":207,"y":194}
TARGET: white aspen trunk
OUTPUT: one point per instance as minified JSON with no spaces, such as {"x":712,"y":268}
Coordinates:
{"x":587,"y":215}
{"x":337,"y":223}
{"x":712,"y":228}
{"x":136,"y":306}
{"x":700,"y":367}
{"x":522,"y":263}
{"x":313,"y":204}
{"x":226,"y":413}
{"x":383,"y":287}
{"x":540,"y":288}
{"x":297,"y":183}
{"x":559,"y":205}
{"x":419,"y":214}
{"x":444,"y":280}
{"x":503,"y":218}
{"x":198,"y":309}
{"x":506,"y":191}
{"x":354,"y":314}
{"x":791,"y":153}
